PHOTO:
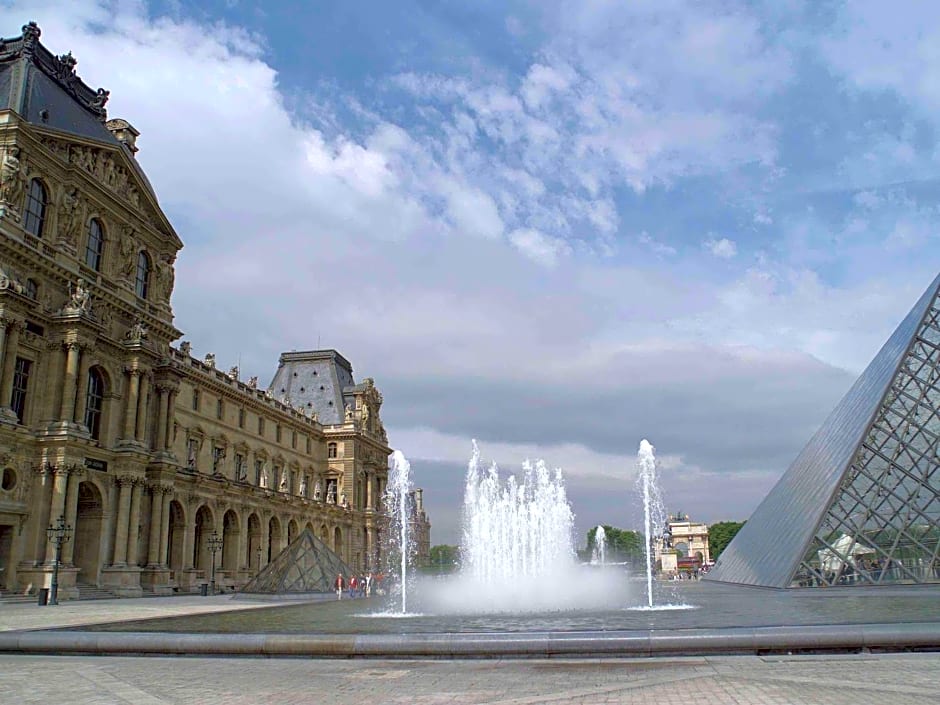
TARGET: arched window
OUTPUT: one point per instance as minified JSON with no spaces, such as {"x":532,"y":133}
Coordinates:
{"x":94,"y":401}
{"x":95,"y":245}
{"x":143,"y":274}
{"x":35,"y":208}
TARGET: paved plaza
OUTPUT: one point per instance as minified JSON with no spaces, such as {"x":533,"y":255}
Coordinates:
{"x":728,"y":680}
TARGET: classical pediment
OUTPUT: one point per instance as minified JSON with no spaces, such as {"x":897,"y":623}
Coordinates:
{"x":111,"y":167}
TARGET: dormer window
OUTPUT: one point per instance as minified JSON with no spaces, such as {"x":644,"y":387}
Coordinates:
{"x":95,"y":245}
{"x":142,"y":284}
{"x":36,"y":201}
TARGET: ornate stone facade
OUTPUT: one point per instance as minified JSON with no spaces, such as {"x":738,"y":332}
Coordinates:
{"x":144,"y":449}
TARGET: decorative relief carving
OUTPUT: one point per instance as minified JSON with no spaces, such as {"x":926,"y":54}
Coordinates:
{"x":70,"y":218}
{"x":127,"y":261}
{"x":79,"y":300}
{"x":12,"y":180}
{"x":164,"y":278}
{"x":136,"y":334}
{"x":9,"y":280}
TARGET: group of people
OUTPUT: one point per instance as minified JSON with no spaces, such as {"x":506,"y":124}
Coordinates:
{"x":358,"y":586}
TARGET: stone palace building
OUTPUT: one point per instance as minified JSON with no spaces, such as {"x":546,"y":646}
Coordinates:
{"x":145,"y":450}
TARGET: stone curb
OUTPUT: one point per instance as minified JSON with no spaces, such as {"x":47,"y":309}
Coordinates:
{"x":734,"y":640}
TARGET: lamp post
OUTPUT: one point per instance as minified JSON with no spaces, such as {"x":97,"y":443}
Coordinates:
{"x":215,"y":545}
{"x":59,"y":533}
{"x":258,"y":551}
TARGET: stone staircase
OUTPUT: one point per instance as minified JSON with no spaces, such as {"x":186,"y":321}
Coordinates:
{"x":87,"y":591}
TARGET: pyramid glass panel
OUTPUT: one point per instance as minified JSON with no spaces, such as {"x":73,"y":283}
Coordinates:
{"x":306,"y":565}
{"x":861,"y":503}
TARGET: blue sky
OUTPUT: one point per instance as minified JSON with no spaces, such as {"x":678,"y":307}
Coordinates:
{"x":555,"y":227}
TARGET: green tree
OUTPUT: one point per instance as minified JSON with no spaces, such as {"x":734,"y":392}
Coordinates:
{"x":720,"y":535}
{"x":622,"y":544}
{"x":444,"y":558}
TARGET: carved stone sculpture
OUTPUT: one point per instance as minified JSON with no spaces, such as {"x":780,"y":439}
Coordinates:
{"x":128,"y":261}
{"x":165,"y":278}
{"x":186,"y":348}
{"x":265,"y":477}
{"x":9,"y":281}
{"x":210,"y":360}
{"x":79,"y":298}
{"x":137,"y":333}
{"x":349,"y":413}
{"x":70,"y":218}
{"x":233,"y":372}
{"x":12,"y":178}
{"x":303,"y":486}
{"x":282,"y":487}
{"x":317,"y":492}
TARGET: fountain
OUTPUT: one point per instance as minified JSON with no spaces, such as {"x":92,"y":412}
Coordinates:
{"x":599,"y":553}
{"x":398,"y":499}
{"x":654,"y":513}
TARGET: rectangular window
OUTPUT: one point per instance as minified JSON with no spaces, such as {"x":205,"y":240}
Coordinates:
{"x":195,"y":399}
{"x":308,"y":445}
{"x":293,"y":439}
{"x":260,"y":426}
{"x":20,"y":385}
{"x":219,"y":409}
{"x":277,"y":433}
{"x":241,"y":418}
{"x":259,"y":470}
{"x":240,"y":474}
{"x":330,"y":450}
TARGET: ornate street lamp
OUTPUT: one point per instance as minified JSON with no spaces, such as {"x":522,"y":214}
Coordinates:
{"x":258,"y":551}
{"x":59,"y":533}
{"x":215,"y":545}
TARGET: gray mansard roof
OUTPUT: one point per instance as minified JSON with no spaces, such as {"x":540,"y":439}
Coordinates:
{"x":315,"y":380}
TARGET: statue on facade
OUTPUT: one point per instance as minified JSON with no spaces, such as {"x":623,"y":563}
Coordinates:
{"x":128,"y":251}
{"x":136,"y":334}
{"x":210,"y":360}
{"x":165,"y":277}
{"x":331,"y":494}
{"x":79,"y":298}
{"x":186,"y":348}
{"x":265,"y":477}
{"x":70,"y":218}
{"x":233,"y":372}
{"x":342,"y":501}
{"x":12,"y":178}
{"x":349,"y":413}
{"x":282,"y":486}
{"x":253,"y":382}
{"x":303,"y":486}
{"x":9,"y":280}
{"x":317,"y":491}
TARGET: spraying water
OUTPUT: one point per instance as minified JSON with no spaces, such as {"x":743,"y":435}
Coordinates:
{"x":398,"y":499}
{"x":654,"y":513}
{"x":599,"y":554}
{"x":517,"y":530}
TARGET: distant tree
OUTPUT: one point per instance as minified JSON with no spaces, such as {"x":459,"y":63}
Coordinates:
{"x":622,"y":544}
{"x":720,"y":535}
{"x":444,"y":558}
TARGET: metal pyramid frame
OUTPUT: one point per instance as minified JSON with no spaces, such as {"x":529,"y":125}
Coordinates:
{"x":306,"y":565}
{"x":860,"y":505}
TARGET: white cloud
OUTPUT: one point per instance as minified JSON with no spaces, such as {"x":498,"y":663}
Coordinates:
{"x":658,"y":248}
{"x":723,"y":247}
{"x":538,"y":246}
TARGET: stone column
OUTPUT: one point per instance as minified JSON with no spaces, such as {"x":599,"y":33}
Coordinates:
{"x":56,"y":507}
{"x":130,"y":413}
{"x":369,"y":491}
{"x":159,"y":441}
{"x":156,"y":525}
{"x":43,"y":501}
{"x":133,"y":524}
{"x":166,"y":497}
{"x":67,"y":410}
{"x":170,"y":415}
{"x":140,"y":432}
{"x":120,"y":528}
{"x":265,"y":537}
{"x":81,"y":397}
{"x":9,"y":364}
{"x":189,"y":540}
{"x":243,"y":561}
{"x":71,"y":512}
{"x":4,"y":322}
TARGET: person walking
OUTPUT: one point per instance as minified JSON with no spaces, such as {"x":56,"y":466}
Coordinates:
{"x":339,"y":584}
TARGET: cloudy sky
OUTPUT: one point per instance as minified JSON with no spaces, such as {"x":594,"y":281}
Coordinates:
{"x":556,"y":227}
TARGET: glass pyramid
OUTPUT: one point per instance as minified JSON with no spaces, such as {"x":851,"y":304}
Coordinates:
{"x":306,"y":565}
{"x":861,"y":503}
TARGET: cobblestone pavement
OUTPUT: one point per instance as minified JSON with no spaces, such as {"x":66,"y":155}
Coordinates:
{"x":727,"y":680}
{"x":20,"y":615}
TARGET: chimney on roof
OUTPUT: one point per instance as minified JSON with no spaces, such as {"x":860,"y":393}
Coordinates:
{"x":124,"y":133}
